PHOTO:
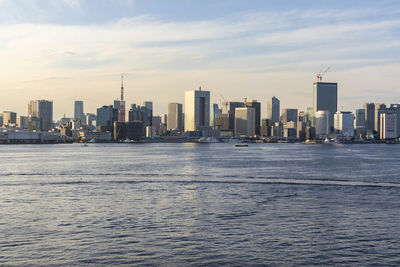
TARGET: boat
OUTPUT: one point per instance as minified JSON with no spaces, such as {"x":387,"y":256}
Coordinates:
{"x":208,"y":140}
{"x":241,"y":145}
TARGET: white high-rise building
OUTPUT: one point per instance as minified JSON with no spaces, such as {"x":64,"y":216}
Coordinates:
{"x":43,"y":110}
{"x":388,"y":126}
{"x":344,"y":123}
{"x":197,"y":109}
{"x":174,"y":118}
{"x":245,"y":121}
{"x":322,"y":123}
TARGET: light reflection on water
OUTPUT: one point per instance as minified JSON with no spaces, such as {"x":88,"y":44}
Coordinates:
{"x":278,"y":204}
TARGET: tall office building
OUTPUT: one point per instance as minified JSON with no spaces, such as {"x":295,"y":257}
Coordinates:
{"x":22,"y":122}
{"x":344,"y":123}
{"x":78,"y":111}
{"x":214,"y":111}
{"x":43,"y":110}
{"x":230,"y":109}
{"x":9,"y":118}
{"x":289,"y":114}
{"x":257,"y":106}
{"x":197,"y":109}
{"x":360,"y":118}
{"x":322,"y":123}
{"x":174,"y":117}
{"x":325,"y":98}
{"x":388,"y":126}
{"x":379,"y":109}
{"x":273,"y":109}
{"x":148,"y":113}
{"x":245,"y":121}
{"x":369,"y":116}
{"x":106,"y":116}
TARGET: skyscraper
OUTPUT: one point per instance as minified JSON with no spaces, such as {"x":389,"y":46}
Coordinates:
{"x":289,"y":114}
{"x":325,"y":98}
{"x":360,"y":118}
{"x":344,"y":123}
{"x":214,"y":111}
{"x":43,"y":110}
{"x":379,"y":109}
{"x":369,"y":116}
{"x":257,"y":106}
{"x":388,"y":126}
{"x":322,"y":123}
{"x":245,"y":121}
{"x":78,"y":111}
{"x":9,"y":118}
{"x":106,"y":115}
{"x":273,"y":109}
{"x":174,"y":117}
{"x":197,"y":109}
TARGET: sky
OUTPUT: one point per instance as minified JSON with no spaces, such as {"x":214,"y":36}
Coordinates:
{"x":66,"y":50}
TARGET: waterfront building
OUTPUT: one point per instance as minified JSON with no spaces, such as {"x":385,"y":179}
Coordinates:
{"x":395,"y":108}
{"x":9,"y":118}
{"x":344,"y":123}
{"x":164,"y":118}
{"x":273,"y":109}
{"x":42,"y":109}
{"x":78,"y":111}
{"x":197,"y":110}
{"x":369,"y":117}
{"x":156,"y":125}
{"x":360,"y":119}
{"x":257,"y":106}
{"x":89,"y":119}
{"x":147,"y":109}
{"x":325,"y":98}
{"x":214,"y":111}
{"x":175,"y":118}
{"x":245,"y":121}
{"x":106,"y":116}
{"x":388,"y":126}
{"x":310,"y":117}
{"x":222,"y":121}
{"x":22,"y":122}
{"x":288,"y":115}
{"x":1,"y":119}
{"x":322,"y":123}
{"x":379,"y":109}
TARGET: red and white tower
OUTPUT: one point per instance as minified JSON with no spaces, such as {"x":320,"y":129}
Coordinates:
{"x":121,"y":115}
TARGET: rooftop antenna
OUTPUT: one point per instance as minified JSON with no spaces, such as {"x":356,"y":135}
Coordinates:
{"x":122,"y":86}
{"x":200,"y":88}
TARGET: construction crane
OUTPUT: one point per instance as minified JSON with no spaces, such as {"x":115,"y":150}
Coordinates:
{"x":225,"y":103}
{"x":321,"y":73}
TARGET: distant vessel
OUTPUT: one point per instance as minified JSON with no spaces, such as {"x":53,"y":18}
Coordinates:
{"x":241,"y":145}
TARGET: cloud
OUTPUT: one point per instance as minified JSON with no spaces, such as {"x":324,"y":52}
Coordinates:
{"x":238,"y":49}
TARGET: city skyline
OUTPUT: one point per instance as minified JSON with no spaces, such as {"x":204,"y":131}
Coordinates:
{"x":58,"y":50}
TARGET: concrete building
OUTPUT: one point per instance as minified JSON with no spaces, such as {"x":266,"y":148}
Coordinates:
{"x":322,"y":123}
{"x":148,"y":113}
{"x":175,"y":117}
{"x":289,"y":114}
{"x":245,"y":121}
{"x":257,"y":106}
{"x":273,"y":109}
{"x":197,"y":110}
{"x":156,"y":126}
{"x":22,"y":122}
{"x":360,"y":119}
{"x":388,"y":126}
{"x":42,"y":109}
{"x":106,"y":116}
{"x":369,"y":116}
{"x":344,"y":123}
{"x":325,"y":98}
{"x":379,"y":109}
{"x":214,"y":111}
{"x":9,"y":118}
{"x":78,"y":111}
{"x":89,"y":119}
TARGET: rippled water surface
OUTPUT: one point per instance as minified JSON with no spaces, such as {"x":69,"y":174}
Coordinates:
{"x":204,"y":204}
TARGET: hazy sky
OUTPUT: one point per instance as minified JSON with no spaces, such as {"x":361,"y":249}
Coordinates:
{"x":66,"y":50}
